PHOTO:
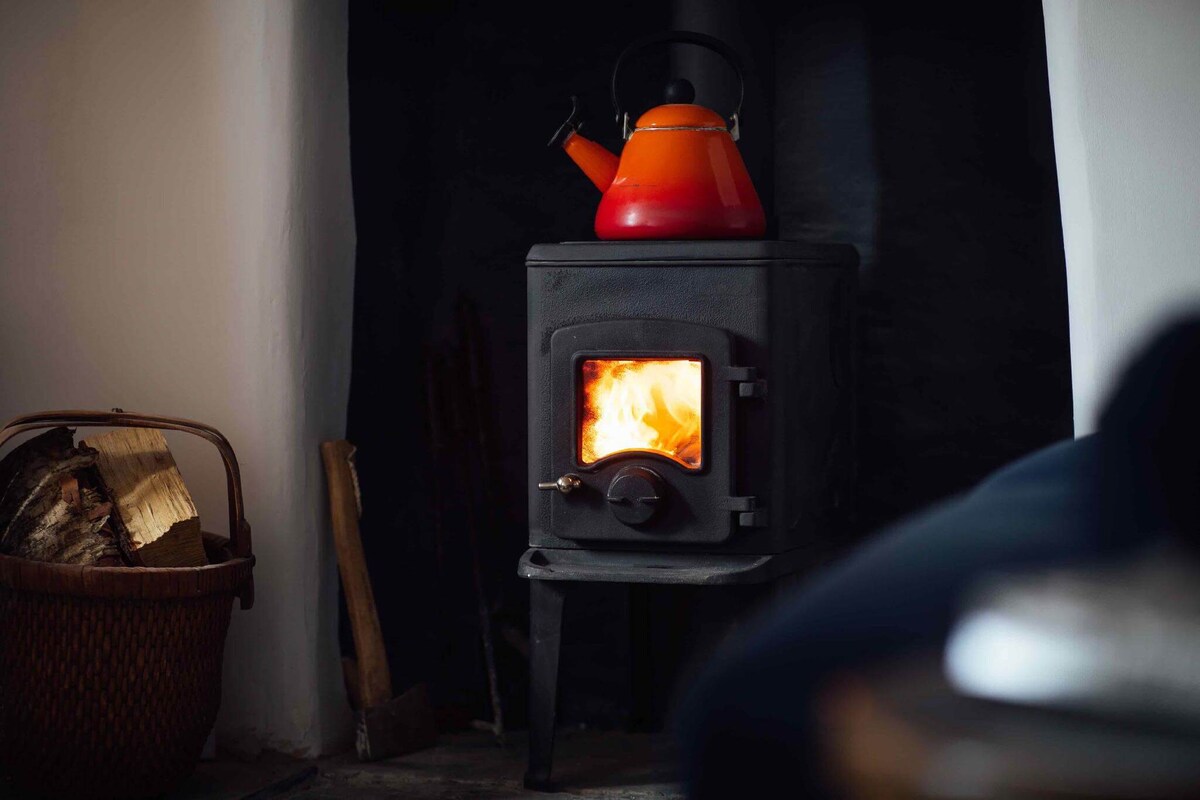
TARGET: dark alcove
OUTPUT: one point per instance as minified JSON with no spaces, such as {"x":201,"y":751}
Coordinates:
{"x":913,"y":132}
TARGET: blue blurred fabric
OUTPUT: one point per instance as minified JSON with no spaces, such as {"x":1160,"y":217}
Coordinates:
{"x":746,"y":727}
{"x":747,"y":721}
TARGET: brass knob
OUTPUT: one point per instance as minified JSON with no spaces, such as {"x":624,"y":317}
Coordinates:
{"x":566,"y":484}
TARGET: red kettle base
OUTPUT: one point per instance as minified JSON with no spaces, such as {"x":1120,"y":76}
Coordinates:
{"x":678,"y":216}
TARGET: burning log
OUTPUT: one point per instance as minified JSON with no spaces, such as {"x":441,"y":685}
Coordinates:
{"x":52,"y":507}
{"x":155,"y":518}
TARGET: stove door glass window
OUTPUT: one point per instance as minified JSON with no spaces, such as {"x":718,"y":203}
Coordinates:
{"x":632,"y":405}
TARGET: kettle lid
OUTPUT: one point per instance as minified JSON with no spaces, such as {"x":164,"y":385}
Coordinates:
{"x":681,"y":115}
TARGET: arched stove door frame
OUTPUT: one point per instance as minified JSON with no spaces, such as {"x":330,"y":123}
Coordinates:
{"x":696,"y":505}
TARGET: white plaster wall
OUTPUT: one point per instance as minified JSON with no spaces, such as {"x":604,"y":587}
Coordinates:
{"x":176,"y":236}
{"x":1125,"y":97}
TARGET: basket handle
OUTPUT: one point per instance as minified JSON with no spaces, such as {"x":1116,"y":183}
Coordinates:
{"x":239,"y":529}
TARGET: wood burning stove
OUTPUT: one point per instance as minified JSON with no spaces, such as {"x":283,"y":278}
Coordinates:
{"x":690,"y":421}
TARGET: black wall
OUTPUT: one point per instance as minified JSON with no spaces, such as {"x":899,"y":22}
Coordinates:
{"x":923,"y":136}
{"x":916,"y":133}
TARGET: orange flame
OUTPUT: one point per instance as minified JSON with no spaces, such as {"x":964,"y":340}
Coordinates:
{"x":635,"y":404}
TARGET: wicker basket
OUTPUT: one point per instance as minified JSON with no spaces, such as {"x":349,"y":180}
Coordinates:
{"x":110,"y":677}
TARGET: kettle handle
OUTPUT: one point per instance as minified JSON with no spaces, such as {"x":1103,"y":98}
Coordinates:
{"x":682,"y":37}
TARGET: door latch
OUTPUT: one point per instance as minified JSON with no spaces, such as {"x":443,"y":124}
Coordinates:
{"x":749,"y":515}
{"x":746,"y":381}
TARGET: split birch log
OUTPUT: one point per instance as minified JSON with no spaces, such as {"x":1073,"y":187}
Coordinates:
{"x":52,"y":507}
{"x":153,"y":514}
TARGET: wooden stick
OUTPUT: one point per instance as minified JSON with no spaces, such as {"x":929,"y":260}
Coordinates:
{"x":374,"y":677}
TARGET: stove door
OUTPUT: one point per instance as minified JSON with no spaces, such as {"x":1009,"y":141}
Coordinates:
{"x":641,"y":433}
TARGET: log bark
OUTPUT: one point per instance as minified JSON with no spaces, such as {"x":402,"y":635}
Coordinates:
{"x":52,"y":507}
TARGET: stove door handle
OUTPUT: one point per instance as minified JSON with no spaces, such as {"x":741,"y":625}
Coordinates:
{"x":565,"y":484}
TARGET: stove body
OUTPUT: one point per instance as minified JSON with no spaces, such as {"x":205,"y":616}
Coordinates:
{"x":768,"y":327}
{"x":691,"y":421}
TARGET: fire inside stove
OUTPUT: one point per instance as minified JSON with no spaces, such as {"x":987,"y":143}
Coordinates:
{"x":642,"y":405}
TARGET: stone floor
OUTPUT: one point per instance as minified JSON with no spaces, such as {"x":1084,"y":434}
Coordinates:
{"x":588,"y":764}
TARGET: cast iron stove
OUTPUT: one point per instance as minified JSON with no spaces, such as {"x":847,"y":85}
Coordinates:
{"x":690,"y":422}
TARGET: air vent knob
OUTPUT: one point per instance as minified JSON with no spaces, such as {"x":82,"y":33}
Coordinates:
{"x":636,"y":495}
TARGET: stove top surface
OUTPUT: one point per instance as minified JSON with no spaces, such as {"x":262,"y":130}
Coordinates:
{"x":692,"y":251}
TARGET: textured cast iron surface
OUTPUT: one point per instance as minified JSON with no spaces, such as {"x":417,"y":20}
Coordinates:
{"x":787,"y":309}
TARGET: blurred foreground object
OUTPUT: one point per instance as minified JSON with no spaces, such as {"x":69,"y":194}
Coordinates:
{"x":1120,"y":642}
{"x":1070,"y":683}
{"x":1151,"y":441}
{"x":1067,"y":682}
{"x":1106,"y":498}
{"x":904,"y":733}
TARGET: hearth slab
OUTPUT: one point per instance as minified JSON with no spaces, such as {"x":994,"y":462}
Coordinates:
{"x":696,"y":569}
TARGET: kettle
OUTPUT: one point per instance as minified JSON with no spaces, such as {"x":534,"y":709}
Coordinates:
{"x":680,"y":175}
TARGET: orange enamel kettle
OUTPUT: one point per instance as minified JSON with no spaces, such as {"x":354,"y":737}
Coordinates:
{"x":680,"y":175}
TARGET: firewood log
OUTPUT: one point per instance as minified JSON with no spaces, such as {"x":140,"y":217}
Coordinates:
{"x":51,"y":507}
{"x":153,"y":513}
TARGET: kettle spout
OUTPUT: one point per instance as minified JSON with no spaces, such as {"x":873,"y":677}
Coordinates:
{"x":595,"y":161}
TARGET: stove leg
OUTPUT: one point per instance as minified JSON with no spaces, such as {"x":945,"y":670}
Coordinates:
{"x":545,"y":637}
